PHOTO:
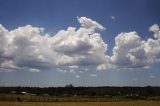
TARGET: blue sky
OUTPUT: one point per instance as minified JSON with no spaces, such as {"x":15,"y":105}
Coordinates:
{"x":116,"y":16}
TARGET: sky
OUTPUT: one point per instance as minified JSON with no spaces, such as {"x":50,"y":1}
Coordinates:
{"x":81,"y":42}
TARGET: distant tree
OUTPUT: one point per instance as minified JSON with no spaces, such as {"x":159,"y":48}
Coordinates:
{"x":69,"y":86}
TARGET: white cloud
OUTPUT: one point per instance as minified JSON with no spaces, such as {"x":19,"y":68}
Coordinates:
{"x":77,"y":76}
{"x":61,"y":70}
{"x":73,"y":67}
{"x":80,"y":47}
{"x":152,"y":49}
{"x":102,"y":67}
{"x":131,"y":51}
{"x":128,"y":51}
{"x":34,"y":70}
{"x":113,"y":17}
{"x":152,"y":76}
{"x":89,"y":24}
{"x":8,"y":64}
{"x":29,"y":47}
{"x":93,"y":75}
{"x":75,"y":49}
{"x":81,"y":72}
{"x":86,"y":69}
{"x":72,"y":71}
{"x":155,"y":28}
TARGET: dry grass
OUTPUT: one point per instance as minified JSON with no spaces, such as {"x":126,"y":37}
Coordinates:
{"x":127,"y":103}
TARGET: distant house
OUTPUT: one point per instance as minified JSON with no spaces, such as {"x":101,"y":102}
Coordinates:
{"x":25,"y":93}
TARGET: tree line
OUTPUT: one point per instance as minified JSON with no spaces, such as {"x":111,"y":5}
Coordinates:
{"x":70,"y":90}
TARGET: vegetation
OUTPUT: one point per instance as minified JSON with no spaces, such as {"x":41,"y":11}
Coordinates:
{"x":78,"y":94}
{"x":70,"y":90}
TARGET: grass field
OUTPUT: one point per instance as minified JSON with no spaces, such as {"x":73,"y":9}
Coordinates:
{"x":127,"y":103}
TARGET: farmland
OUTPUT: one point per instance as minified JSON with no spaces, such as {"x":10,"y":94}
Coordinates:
{"x":80,"y":96}
{"x":126,"y":103}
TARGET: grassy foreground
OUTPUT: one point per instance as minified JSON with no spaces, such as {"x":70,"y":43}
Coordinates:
{"x":127,"y":103}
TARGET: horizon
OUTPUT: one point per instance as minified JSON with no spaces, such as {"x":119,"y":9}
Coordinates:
{"x":74,"y":86}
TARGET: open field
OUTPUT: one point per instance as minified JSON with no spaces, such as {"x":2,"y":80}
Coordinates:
{"x":32,"y":98}
{"x":29,"y":98}
{"x":127,"y":103}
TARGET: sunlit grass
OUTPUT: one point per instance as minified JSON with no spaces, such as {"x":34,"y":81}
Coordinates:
{"x":127,"y":103}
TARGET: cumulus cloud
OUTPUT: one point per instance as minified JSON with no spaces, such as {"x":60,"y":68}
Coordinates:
{"x":155,"y":28}
{"x":131,"y":51}
{"x":128,"y":51}
{"x":75,"y":49}
{"x":89,"y":24}
{"x":102,"y":67}
{"x":29,"y":47}
{"x":80,"y":47}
